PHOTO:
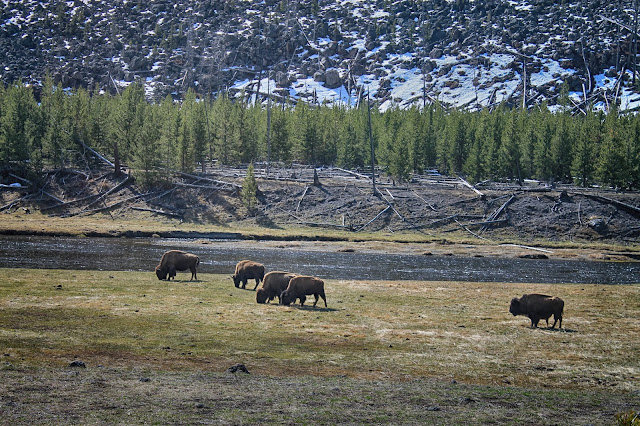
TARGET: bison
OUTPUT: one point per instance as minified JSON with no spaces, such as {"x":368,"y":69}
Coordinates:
{"x":177,"y":260}
{"x":300,"y":286}
{"x":538,"y":306}
{"x":275,"y":282}
{"x":246,"y":270}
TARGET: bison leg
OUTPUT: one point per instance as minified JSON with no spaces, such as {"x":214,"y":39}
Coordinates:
{"x":323,"y":298}
{"x":315,"y":295}
{"x":193,"y":275}
{"x":302,"y":300}
{"x":244,"y":283}
{"x":257,"y":282}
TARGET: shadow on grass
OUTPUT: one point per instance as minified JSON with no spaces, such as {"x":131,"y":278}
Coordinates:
{"x":560,"y":330}
{"x":247,"y":288}
{"x":313,"y":308}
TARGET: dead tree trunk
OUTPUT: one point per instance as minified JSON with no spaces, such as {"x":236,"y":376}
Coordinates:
{"x":116,"y":160}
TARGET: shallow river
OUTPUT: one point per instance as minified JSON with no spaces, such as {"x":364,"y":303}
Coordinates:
{"x":143,"y":254}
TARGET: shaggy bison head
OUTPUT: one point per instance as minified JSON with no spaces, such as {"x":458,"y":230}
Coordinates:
{"x":261,"y":296}
{"x":514,"y":308}
{"x":161,"y":274}
{"x":236,"y":280}
{"x":286,"y":298}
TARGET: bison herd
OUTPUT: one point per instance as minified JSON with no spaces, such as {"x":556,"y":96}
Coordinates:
{"x":286,"y":286}
{"x":289,"y":287}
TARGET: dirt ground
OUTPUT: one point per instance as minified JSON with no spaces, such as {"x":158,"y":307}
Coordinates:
{"x":432,"y":206}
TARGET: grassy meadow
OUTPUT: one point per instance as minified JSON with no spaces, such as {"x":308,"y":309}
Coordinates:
{"x":402,"y":352}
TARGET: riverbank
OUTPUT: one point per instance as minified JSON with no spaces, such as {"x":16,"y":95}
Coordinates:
{"x":339,"y":207}
{"x":144,"y":225}
{"x":383,"y":351}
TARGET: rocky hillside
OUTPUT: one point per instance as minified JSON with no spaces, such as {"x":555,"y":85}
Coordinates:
{"x":463,"y":53}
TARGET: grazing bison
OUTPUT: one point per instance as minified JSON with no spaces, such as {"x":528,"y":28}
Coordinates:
{"x":275,"y":282}
{"x":537,"y":307}
{"x":301,"y":286}
{"x":177,"y":260}
{"x":246,"y":270}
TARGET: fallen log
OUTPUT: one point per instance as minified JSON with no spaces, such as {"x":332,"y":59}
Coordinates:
{"x":635,"y":211}
{"x":471,"y":232}
{"x":107,"y":207}
{"x":306,"y":188}
{"x":170,"y":214}
{"x":526,"y":247}
{"x":42,"y":191}
{"x":497,"y":213}
{"x":219,"y":182}
{"x":377,"y":216}
{"x":471,"y":187}
{"x":424,"y":201}
{"x":116,"y":188}
{"x":12,"y":203}
{"x":97,"y":155}
{"x":485,"y":222}
{"x":68,"y":203}
{"x":359,"y":175}
{"x":220,"y":188}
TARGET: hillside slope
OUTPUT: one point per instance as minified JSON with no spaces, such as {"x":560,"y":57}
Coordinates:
{"x":429,"y":208}
{"x":463,"y":53}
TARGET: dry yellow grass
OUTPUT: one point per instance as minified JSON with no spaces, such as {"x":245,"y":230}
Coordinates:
{"x":400,"y":330}
{"x":401,"y":352}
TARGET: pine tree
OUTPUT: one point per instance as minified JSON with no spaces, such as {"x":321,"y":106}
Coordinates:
{"x":528,"y":142}
{"x":561,"y":143}
{"x":246,"y":117}
{"x":400,"y":164}
{"x":612,"y":165}
{"x":198,"y":124}
{"x":543,"y":160}
{"x":454,"y":150}
{"x":100,"y":106}
{"x":145,"y":158}
{"x":171,"y":123}
{"x":584,"y":153}
{"x":250,"y":190}
{"x":57,"y":138}
{"x":509,"y":154}
{"x":226,"y":143}
{"x":126,"y":121}
{"x":330,"y":118}
{"x":280,"y":137}
{"x":19,"y":128}
{"x":634,"y":153}
{"x":476,"y":163}
{"x":79,"y":115}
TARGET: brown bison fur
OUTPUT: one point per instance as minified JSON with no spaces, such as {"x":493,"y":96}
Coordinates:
{"x":246,"y":270}
{"x":177,"y":260}
{"x":301,"y":286}
{"x":275,"y":282}
{"x":537,"y":307}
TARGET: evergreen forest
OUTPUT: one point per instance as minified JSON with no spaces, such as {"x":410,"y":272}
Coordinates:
{"x":52,"y":128}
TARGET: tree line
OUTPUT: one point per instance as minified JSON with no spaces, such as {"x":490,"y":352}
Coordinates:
{"x":52,"y":128}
